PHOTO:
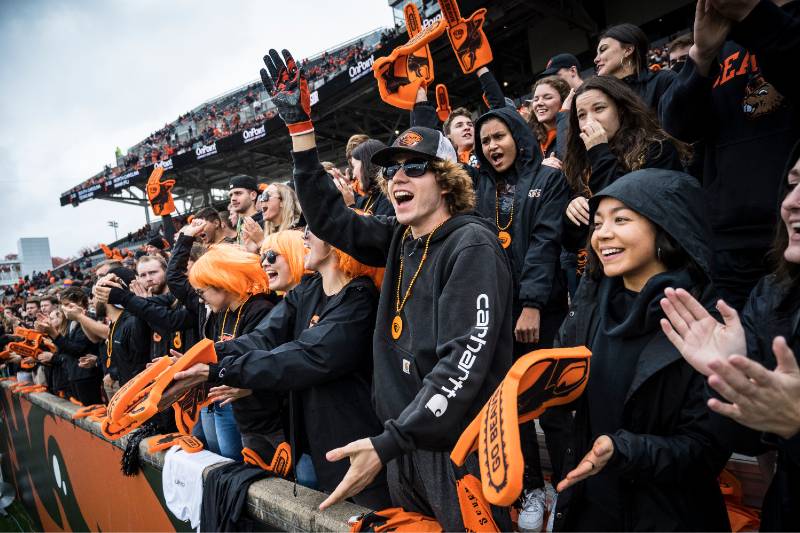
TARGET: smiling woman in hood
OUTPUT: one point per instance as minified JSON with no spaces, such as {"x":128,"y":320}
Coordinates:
{"x":644,"y":454}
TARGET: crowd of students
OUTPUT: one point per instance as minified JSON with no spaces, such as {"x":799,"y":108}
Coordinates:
{"x":365,"y":317}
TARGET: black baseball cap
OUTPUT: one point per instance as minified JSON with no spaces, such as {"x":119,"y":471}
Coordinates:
{"x":421,"y":142}
{"x":560,"y":61}
{"x":244,"y":182}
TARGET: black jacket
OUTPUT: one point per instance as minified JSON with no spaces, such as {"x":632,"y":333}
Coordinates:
{"x":651,"y":86}
{"x":377,"y":203}
{"x":747,"y":113}
{"x":606,"y":168}
{"x":129,"y":345}
{"x":773,"y":309}
{"x":326,"y":368}
{"x":173,"y":325}
{"x":71,"y":347}
{"x":540,"y":199}
{"x":663,"y":473}
{"x":456,"y":343}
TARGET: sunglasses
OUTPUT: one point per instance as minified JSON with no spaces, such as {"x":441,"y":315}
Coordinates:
{"x":412,"y":169}
{"x":265,"y":196}
{"x":270,"y":256}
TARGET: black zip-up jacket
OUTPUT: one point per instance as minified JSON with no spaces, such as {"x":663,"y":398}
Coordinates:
{"x":173,"y":325}
{"x":456,"y":343}
{"x":326,"y":368}
{"x":72,"y":346}
{"x":747,"y":113}
{"x":607,"y":168}
{"x":667,"y":456}
{"x":651,"y":86}
{"x":130,"y":348}
{"x":259,"y":413}
{"x":540,"y":199}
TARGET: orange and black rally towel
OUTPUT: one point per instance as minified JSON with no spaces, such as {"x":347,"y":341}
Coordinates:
{"x":538,"y":380}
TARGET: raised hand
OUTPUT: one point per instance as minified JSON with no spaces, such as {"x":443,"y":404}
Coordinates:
{"x":288,"y":87}
{"x":711,"y":29}
{"x":696,"y":334}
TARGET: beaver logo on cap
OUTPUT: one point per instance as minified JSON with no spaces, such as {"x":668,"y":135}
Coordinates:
{"x":409,"y":138}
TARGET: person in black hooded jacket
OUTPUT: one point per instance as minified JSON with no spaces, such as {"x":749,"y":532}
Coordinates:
{"x":316,"y":345}
{"x":442,"y":340}
{"x":716,"y":349}
{"x":739,"y":93}
{"x":644,"y":454}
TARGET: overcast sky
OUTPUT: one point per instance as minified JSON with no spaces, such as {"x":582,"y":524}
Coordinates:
{"x":79,"y":78}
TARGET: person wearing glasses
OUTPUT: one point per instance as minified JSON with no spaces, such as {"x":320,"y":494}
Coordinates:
{"x":280,"y":211}
{"x":442,"y":337}
{"x":315,"y":346}
{"x":228,"y":291}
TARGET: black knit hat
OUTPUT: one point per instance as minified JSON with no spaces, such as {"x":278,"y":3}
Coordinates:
{"x":156,"y":241}
{"x":125,"y":274}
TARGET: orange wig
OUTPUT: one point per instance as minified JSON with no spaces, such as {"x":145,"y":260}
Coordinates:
{"x":229,"y":268}
{"x":289,"y":244}
{"x":353,"y":269}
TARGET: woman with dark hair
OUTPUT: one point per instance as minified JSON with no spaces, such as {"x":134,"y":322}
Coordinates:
{"x":622,"y":53}
{"x":372,"y":201}
{"x":764,"y":386}
{"x":643,"y":454}
{"x":611,"y":133}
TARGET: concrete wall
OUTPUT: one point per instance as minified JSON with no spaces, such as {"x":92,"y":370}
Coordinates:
{"x":38,"y":433}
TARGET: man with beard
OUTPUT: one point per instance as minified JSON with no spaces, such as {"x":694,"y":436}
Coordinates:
{"x":243,"y":193}
{"x":214,"y":230}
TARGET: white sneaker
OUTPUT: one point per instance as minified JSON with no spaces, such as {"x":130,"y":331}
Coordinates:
{"x":531,"y":516}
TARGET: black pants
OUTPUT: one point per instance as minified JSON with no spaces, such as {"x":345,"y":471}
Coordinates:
{"x":533,"y":477}
{"x":424,"y":482}
{"x":736,"y":272}
{"x":87,"y":391}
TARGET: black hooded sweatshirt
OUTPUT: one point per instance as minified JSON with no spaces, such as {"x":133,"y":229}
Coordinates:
{"x":650,"y":86}
{"x":456,"y":343}
{"x":641,"y":393}
{"x":541,"y":196}
{"x":747,"y":113}
{"x":318,"y":349}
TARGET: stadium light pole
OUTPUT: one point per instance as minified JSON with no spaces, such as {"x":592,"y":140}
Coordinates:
{"x":114,"y":224}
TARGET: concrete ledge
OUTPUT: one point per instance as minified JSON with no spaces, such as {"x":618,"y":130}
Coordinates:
{"x":277,"y":503}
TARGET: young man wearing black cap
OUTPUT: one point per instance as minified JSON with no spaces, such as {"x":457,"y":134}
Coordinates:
{"x":443,"y":340}
{"x":243,"y":193}
{"x":566,"y":67}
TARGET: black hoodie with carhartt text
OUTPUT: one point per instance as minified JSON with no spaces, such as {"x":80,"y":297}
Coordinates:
{"x":455,"y":346}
